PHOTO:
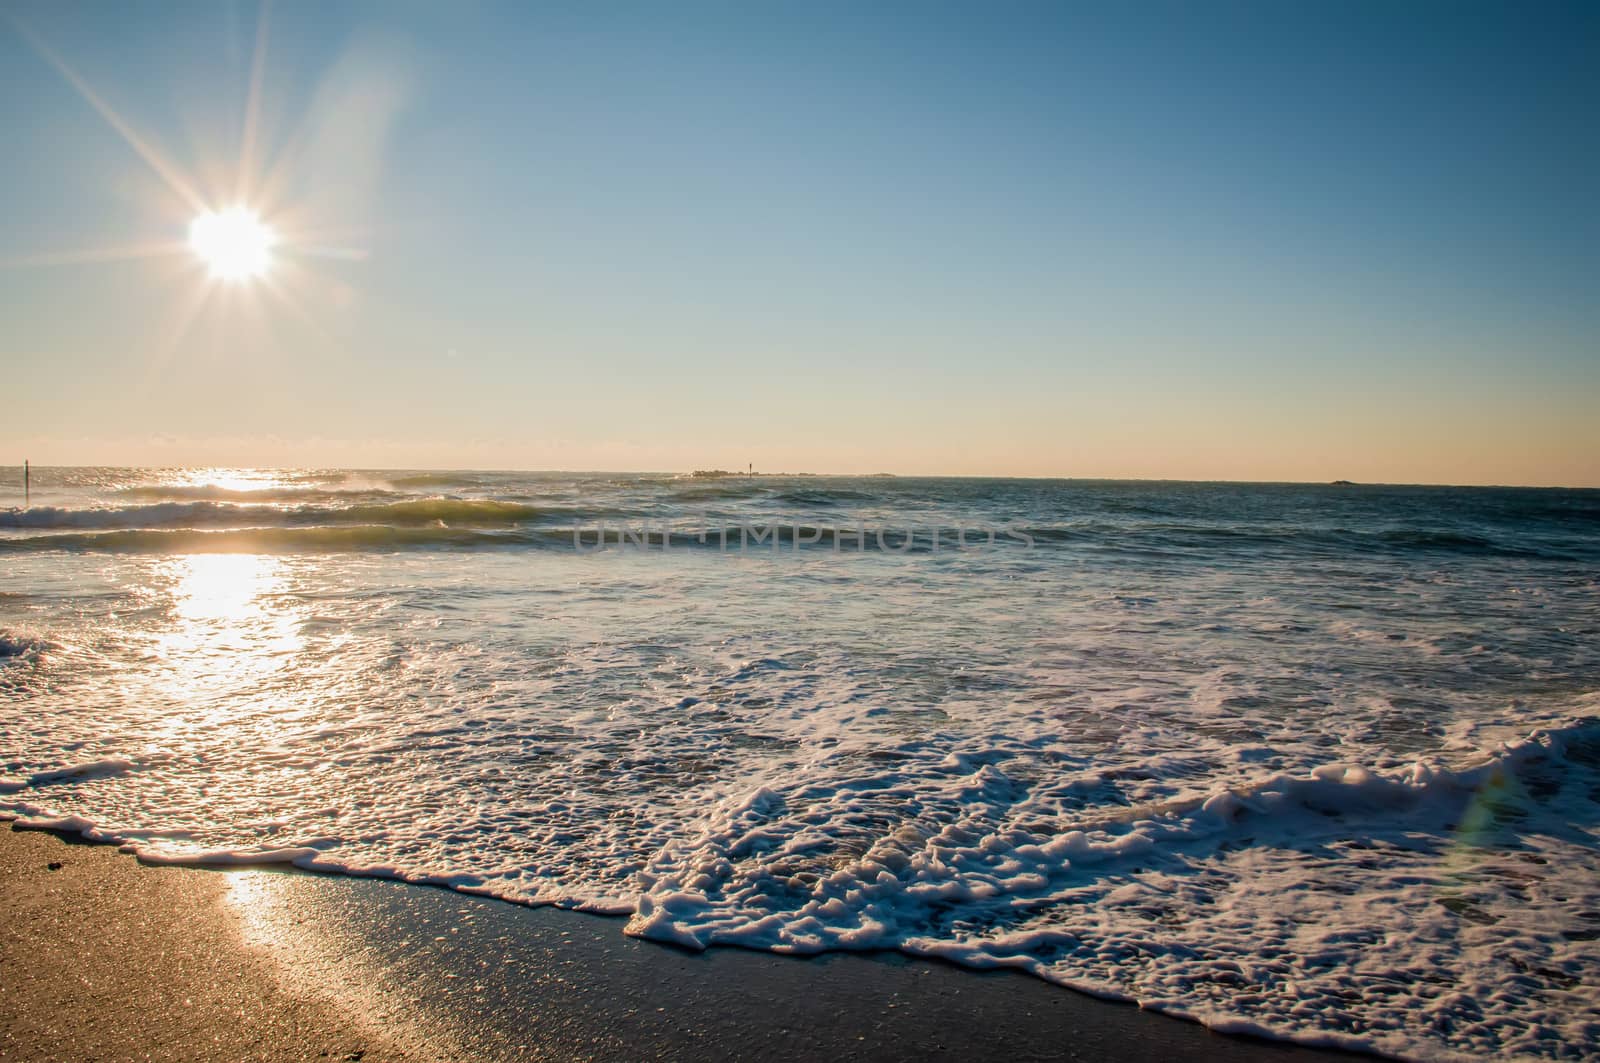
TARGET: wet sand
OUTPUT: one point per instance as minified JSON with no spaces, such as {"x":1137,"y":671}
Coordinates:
{"x":104,"y":958}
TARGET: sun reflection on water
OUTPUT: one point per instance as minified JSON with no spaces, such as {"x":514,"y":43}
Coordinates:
{"x":233,"y":630}
{"x":234,"y":480}
{"x":218,"y":588}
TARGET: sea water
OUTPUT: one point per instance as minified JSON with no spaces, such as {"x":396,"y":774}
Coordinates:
{"x":1315,"y":762}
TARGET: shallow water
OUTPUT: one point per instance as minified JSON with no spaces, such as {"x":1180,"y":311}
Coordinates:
{"x":1318,"y":762}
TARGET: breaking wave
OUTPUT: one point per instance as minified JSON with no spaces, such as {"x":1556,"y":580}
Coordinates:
{"x":217,"y":514}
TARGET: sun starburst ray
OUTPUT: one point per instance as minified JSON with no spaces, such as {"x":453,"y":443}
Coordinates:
{"x":163,"y":168}
{"x":252,"y":108}
{"x":115,"y":253}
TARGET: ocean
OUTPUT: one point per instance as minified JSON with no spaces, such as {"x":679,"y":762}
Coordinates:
{"x":1319,"y":763}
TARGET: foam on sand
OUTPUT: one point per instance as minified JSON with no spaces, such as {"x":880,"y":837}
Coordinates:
{"x":1343,"y":907}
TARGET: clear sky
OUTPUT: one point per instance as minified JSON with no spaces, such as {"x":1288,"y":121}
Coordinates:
{"x":1193,"y":240}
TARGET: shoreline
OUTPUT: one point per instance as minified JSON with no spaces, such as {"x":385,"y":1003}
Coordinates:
{"x":114,"y":958}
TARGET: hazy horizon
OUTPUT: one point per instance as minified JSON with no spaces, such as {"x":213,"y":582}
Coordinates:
{"x":202,"y":467}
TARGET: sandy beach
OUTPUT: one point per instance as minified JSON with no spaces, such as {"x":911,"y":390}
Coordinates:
{"x":107,"y":959}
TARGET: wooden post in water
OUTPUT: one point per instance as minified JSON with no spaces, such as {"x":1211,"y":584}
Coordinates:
{"x":27,"y":484}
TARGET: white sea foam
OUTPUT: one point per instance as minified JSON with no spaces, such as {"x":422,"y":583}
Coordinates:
{"x":1325,"y":907}
{"x":77,"y":772}
{"x":1279,"y":784}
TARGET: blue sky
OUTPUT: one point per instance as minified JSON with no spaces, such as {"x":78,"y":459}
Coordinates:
{"x":1253,"y":241}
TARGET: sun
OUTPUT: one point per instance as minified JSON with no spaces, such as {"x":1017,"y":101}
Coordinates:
{"x":233,"y":243}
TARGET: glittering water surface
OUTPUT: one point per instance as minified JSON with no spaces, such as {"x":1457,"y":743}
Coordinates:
{"x":1318,"y":762}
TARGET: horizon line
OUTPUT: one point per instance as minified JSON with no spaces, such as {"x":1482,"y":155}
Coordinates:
{"x":728,"y":474}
